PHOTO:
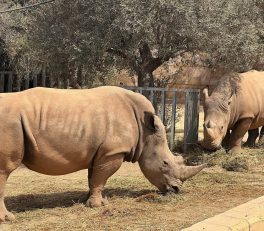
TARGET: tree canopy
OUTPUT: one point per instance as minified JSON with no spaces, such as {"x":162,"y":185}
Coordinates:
{"x":80,"y":39}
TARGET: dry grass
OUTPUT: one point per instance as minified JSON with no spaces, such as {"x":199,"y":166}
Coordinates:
{"x":45,"y":203}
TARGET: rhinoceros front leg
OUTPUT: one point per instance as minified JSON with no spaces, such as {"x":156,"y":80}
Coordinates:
{"x":226,"y":139}
{"x":237,"y":135}
{"x":4,"y":214}
{"x":102,"y":169}
{"x":11,"y":155}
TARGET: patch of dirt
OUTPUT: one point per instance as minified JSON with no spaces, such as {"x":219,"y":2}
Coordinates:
{"x":46,"y":203}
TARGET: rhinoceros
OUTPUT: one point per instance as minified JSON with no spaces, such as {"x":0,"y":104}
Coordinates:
{"x":237,"y":104}
{"x":56,"y":131}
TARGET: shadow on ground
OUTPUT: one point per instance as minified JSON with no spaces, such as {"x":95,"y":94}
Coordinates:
{"x":28,"y":202}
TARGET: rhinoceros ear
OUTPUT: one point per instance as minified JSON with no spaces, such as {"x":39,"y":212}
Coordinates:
{"x":152,"y":122}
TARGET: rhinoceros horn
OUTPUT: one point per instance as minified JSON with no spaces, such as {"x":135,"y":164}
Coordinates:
{"x":211,"y":124}
{"x":190,"y":171}
{"x":205,"y":92}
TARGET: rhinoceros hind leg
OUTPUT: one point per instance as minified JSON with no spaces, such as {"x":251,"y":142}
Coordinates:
{"x":252,"y":136}
{"x":261,"y":137}
{"x":237,"y":135}
{"x":90,"y":171}
{"x":102,"y":169}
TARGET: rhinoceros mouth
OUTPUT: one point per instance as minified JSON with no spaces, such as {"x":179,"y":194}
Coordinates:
{"x":175,"y":189}
{"x":210,"y":146}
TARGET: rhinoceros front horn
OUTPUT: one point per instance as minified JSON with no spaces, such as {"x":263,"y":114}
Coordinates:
{"x":190,"y":171}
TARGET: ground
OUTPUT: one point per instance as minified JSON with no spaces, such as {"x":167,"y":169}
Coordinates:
{"x":46,"y":203}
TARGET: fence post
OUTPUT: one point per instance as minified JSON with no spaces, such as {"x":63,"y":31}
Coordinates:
{"x":18,"y":84}
{"x":2,"y":82}
{"x":35,"y":79}
{"x":163,"y":106}
{"x":173,"y":122}
{"x":191,"y":120}
{"x":43,"y":77}
{"x":151,"y":97}
{"x":10,"y":82}
{"x":26,"y":83}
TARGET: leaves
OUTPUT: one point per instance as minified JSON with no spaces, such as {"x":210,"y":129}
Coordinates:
{"x":99,"y":35}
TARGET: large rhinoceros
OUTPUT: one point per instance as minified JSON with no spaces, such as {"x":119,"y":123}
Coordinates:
{"x":237,"y":104}
{"x":56,"y":132}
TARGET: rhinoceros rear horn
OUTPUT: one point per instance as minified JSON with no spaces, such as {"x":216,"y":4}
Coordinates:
{"x":190,"y":171}
{"x":205,"y":92}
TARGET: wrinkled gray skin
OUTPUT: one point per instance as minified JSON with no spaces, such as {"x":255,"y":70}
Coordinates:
{"x":166,"y":171}
{"x":236,"y":105}
{"x":221,"y":112}
{"x":215,"y":121}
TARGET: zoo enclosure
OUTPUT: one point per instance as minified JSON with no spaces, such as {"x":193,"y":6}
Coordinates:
{"x":163,"y":99}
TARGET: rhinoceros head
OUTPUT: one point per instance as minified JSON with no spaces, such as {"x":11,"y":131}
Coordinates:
{"x":216,"y":119}
{"x":164,"y":170}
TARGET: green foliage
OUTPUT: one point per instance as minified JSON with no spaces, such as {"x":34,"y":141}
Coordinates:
{"x":232,"y":31}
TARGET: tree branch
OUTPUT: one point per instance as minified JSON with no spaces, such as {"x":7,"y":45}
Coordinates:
{"x":118,"y":53}
{"x":132,"y":61}
{"x":26,"y":7}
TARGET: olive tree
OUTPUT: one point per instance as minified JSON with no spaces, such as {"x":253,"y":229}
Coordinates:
{"x":83,"y":37}
{"x":14,"y":51}
{"x":228,"y":32}
{"x":231,"y":32}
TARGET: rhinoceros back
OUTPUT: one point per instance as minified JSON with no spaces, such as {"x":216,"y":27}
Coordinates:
{"x":250,"y":98}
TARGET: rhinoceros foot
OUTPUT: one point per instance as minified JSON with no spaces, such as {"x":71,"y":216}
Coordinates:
{"x":94,"y":202}
{"x":249,"y":144}
{"x":235,"y":150}
{"x":261,"y":141}
{"x":6,"y":216}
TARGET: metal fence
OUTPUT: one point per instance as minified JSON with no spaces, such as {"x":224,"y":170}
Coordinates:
{"x":10,"y":83}
{"x":163,"y":99}
{"x":166,"y":98}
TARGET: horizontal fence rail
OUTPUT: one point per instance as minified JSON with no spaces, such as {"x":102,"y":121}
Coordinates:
{"x":164,"y":101}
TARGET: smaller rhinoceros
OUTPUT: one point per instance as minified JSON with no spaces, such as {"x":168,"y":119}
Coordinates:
{"x":56,"y":132}
{"x":237,"y":104}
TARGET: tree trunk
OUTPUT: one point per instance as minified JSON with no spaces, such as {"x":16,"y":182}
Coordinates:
{"x":80,"y":81}
{"x":146,"y":66}
{"x":145,"y":78}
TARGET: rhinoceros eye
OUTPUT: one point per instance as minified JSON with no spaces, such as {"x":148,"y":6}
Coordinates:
{"x":165,"y":166}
